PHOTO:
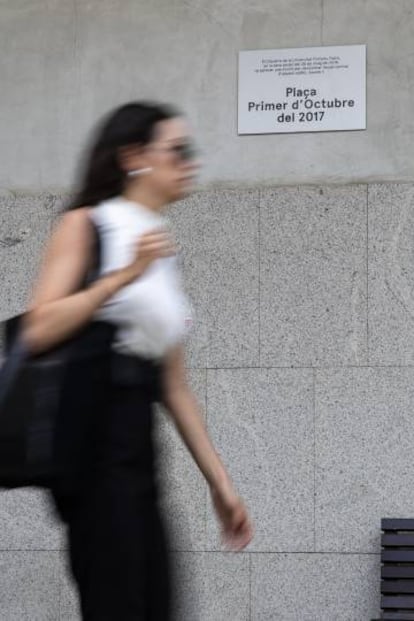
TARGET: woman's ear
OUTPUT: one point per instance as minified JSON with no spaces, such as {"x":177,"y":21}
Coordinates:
{"x":129,"y":157}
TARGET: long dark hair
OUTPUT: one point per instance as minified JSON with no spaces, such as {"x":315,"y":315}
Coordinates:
{"x":101,"y":175}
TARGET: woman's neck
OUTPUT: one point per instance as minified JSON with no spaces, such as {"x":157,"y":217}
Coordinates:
{"x":144,"y":196}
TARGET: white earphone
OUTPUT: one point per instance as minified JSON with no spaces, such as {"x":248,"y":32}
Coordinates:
{"x":140,"y":171}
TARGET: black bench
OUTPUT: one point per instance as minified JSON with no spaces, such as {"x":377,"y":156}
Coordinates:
{"x":397,"y":571}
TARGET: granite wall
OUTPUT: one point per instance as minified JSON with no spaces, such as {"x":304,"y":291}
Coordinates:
{"x":302,"y":357}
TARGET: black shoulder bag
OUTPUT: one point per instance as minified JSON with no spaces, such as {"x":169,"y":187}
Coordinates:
{"x":30,"y":391}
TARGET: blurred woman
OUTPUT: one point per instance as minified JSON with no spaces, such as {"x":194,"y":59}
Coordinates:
{"x":142,"y":159}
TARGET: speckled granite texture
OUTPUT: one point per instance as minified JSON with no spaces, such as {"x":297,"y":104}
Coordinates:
{"x":302,"y":359}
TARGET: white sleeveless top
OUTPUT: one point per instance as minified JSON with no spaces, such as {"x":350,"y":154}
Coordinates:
{"x":152,"y":313}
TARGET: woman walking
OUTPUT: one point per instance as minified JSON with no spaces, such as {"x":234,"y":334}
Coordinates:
{"x":141,"y":161}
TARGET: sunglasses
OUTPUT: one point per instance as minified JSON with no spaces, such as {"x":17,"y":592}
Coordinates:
{"x":186,"y":151}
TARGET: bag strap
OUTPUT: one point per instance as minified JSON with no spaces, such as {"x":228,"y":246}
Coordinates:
{"x":93,"y":272}
{"x":11,"y":367}
{"x":12,"y":325}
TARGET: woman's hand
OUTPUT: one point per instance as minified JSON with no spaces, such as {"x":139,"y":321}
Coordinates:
{"x":236,"y":528}
{"x":155,"y":244}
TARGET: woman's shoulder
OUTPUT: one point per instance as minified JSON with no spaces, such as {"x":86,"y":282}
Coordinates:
{"x":73,"y":220}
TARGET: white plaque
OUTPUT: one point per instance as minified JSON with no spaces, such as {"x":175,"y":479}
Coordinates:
{"x":310,"y":89}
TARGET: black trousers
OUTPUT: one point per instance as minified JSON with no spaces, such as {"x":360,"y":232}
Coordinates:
{"x":118,"y":548}
{"x":118,"y":557}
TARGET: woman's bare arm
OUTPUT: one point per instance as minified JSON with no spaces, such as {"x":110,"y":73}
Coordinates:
{"x":182,"y":405}
{"x":57,"y":310}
